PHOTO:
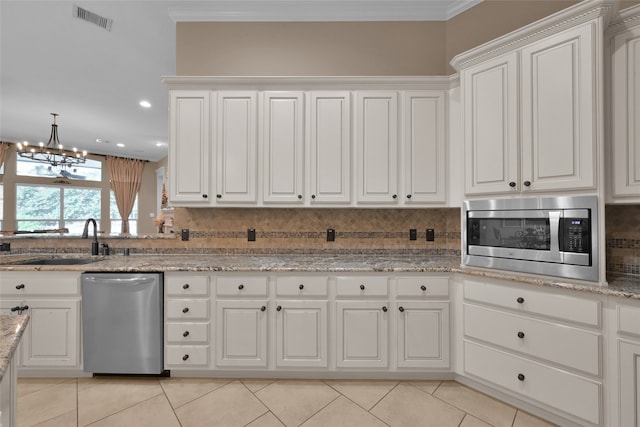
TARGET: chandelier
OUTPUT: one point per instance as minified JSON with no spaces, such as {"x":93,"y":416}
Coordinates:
{"x":52,"y":153}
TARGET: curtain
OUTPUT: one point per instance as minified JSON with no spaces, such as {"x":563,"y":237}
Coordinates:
{"x":126,"y":176}
{"x":3,"y":151}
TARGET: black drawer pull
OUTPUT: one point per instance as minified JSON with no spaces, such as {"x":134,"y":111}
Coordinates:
{"x":185,"y":334}
{"x":301,"y":287}
{"x":185,"y":357}
{"x":521,"y":377}
{"x":384,"y":309}
{"x":20,"y":286}
{"x":279,"y":308}
{"x":299,"y":196}
{"x":185,"y":286}
{"x":520,"y":300}
{"x":204,"y":196}
{"x":241,"y":286}
{"x":527,"y":183}
{"x":520,"y":334}
{"x":401,"y":308}
{"x":20,"y":309}
{"x":362,"y":287}
{"x":423,"y":288}
{"x":263,"y":308}
{"x":512,"y":184}
{"x":185,"y":310}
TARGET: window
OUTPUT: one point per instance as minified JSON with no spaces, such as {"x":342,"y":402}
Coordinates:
{"x":42,"y":207}
{"x":116,"y":219}
{"x":91,"y":170}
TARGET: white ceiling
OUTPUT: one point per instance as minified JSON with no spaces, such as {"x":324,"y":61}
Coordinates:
{"x":52,"y":62}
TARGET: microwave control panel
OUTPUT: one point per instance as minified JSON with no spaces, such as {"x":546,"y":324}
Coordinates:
{"x":575,"y":235}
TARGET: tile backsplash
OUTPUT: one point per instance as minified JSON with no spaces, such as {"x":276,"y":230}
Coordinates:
{"x":622,"y":224}
{"x":290,"y":231}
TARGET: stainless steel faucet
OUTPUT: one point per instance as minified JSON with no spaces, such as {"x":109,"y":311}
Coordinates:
{"x":85,"y":235}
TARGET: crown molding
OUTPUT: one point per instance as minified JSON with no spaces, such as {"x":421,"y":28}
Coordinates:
{"x":321,"y":10}
{"x":625,"y":19}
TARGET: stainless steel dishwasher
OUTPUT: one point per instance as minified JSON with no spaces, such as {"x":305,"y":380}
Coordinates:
{"x":122,"y":323}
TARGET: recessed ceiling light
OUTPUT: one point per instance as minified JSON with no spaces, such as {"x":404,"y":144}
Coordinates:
{"x":160,"y":144}
{"x":102,"y":141}
{"x":120,"y":144}
{"x":145,"y":104}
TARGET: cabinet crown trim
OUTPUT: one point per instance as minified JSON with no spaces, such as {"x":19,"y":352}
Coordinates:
{"x":309,"y":82}
{"x":629,"y":17}
{"x":567,"y":18}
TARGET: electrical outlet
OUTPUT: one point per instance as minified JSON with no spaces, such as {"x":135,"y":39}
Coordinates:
{"x":413,"y":234}
{"x":4,"y":247}
{"x":431,"y":235}
{"x":251,"y":235}
{"x":331,"y":235}
{"x":184,"y":233}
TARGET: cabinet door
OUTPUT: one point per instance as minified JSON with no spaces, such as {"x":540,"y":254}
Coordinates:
{"x":423,"y":334}
{"x":51,"y":336}
{"x":283,"y":147}
{"x":625,"y":79}
{"x":330,"y":147}
{"x":362,"y":334}
{"x":629,"y":382}
{"x":559,"y":111}
{"x":189,"y":145}
{"x":377,"y":139}
{"x":301,"y":333}
{"x":425,"y":145}
{"x":236,"y":147}
{"x":241,"y":333}
{"x":490,"y":102}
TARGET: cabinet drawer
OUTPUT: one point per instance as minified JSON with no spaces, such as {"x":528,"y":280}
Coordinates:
{"x":296,"y":286}
{"x":188,"y":309}
{"x":242,"y":286}
{"x":187,"y":355}
{"x":361,"y":286}
{"x":422,"y":287}
{"x":629,"y":320}
{"x":559,"y":306}
{"x":572,"y":347}
{"x":562,"y":390}
{"x":187,"y":285}
{"x":187,"y":332}
{"x":39,"y":283}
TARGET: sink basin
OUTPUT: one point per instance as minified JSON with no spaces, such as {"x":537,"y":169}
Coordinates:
{"x":56,"y":261}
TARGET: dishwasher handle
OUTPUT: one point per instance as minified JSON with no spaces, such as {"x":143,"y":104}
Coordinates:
{"x":120,"y":280}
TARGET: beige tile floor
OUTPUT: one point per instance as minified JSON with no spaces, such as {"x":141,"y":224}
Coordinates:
{"x":187,"y":402}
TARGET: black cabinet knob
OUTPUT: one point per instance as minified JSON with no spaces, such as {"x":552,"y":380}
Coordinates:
{"x":185,"y":310}
{"x":401,"y":308}
{"x":384,"y":309}
{"x":185,"y":286}
{"x":185,"y":334}
{"x":185,"y":357}
{"x":423,"y":288}
{"x":520,"y":334}
{"x":408,"y":196}
{"x":279,"y":308}
{"x":313,"y":196}
{"x":527,"y":183}
{"x":16,"y":308}
{"x":520,"y":300}
{"x":512,"y":184}
{"x":362,"y":287}
{"x":263,"y":308}
{"x":299,"y":196}
{"x":521,"y":377}
{"x":219,"y":196}
{"x":20,"y":286}
{"x":204,"y":196}
{"x":301,"y":287}
{"x":395,"y":196}
{"x":241,"y":286}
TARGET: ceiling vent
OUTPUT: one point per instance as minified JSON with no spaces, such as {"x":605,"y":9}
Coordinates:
{"x":94,"y":18}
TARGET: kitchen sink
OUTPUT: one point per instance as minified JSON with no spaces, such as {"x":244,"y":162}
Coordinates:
{"x":56,"y":261}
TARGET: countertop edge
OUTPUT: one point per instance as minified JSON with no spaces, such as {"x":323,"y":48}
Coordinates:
{"x":11,"y":329}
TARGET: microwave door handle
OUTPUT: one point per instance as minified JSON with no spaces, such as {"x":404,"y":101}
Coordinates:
{"x":554,"y":228}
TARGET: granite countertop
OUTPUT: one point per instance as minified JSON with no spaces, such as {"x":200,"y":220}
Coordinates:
{"x":618,"y":285}
{"x":11,"y":329}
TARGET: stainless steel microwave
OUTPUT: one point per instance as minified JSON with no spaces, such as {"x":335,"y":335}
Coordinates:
{"x":555,"y":236}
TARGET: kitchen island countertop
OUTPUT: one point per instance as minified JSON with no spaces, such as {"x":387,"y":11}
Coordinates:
{"x":618,"y":285}
{"x":11,"y":329}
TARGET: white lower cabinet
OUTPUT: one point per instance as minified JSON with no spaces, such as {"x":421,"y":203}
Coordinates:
{"x":241,"y":333}
{"x":519,"y":340}
{"x":423,"y":334}
{"x":627,"y":356}
{"x":301,"y":334}
{"x":362,"y":337}
{"x":52,"y":300}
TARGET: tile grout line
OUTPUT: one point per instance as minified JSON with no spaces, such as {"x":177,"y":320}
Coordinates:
{"x":260,"y":400}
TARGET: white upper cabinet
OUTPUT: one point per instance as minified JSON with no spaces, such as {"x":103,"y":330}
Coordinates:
{"x":425,"y":161}
{"x":283,"y":147}
{"x":377,"y":147}
{"x":532,"y":106}
{"x":189,"y":147}
{"x":237,"y":147}
{"x":625,"y":107}
{"x":330,"y":147}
